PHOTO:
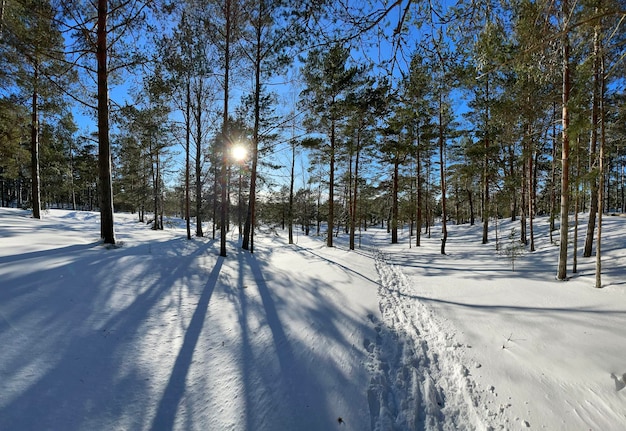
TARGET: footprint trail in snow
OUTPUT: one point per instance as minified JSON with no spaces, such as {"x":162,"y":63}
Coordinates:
{"x":419,"y":380}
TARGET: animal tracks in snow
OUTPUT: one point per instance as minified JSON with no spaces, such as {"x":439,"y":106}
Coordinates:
{"x":418,"y":377}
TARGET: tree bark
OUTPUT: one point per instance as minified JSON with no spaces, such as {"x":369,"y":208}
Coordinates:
{"x":225,"y":131}
{"x":331,"y":187}
{"x":553,"y":178}
{"x":394,"y":202}
{"x":418,"y":215}
{"x":34,"y":149}
{"x":104,"y":145}
{"x":199,"y":232}
{"x":355,"y":193}
{"x":593,"y":144}
{"x":187,"y":156}
{"x":248,"y":229}
{"x":442,"y":170}
{"x":563,"y":234}
{"x":600,"y":173}
{"x":485,"y":200}
{"x":291,"y":184}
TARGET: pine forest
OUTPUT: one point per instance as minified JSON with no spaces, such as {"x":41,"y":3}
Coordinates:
{"x":318,"y":116}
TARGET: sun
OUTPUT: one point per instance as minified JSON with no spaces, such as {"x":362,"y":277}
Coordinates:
{"x":239,"y":152}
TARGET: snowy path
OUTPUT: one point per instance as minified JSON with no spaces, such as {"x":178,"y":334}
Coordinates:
{"x":420,"y":378}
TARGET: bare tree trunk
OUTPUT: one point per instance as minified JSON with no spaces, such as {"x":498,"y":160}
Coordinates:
{"x":593,"y":143}
{"x":73,"y":189}
{"x":355,"y":193}
{"x":485,"y":203}
{"x":418,"y":216}
{"x":187,"y":156}
{"x":215,"y":199}
{"x":576,"y":208}
{"x":531,"y":197}
{"x":563,"y":234}
{"x":442,"y":171}
{"x":225,"y":131}
{"x":601,"y":174}
{"x":155,"y":186}
{"x":291,"y":183}
{"x":248,"y":230}
{"x":553,"y":178}
{"x":199,"y":232}
{"x":331,"y":187}
{"x":104,"y":145}
{"x":524,"y":194}
{"x":34,"y":146}
{"x":394,"y":202}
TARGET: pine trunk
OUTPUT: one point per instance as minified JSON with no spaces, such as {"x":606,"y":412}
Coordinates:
{"x":563,"y":234}
{"x":199,"y":232}
{"x":601,"y":172}
{"x":34,"y":149}
{"x":187,"y":155}
{"x":104,"y":145}
{"x":485,"y":203}
{"x":331,"y":187}
{"x":442,"y":171}
{"x":225,"y":132}
{"x":394,"y":202}
{"x":593,"y":144}
{"x":418,"y":215}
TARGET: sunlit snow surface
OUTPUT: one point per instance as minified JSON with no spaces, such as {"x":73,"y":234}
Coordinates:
{"x":161,"y":333}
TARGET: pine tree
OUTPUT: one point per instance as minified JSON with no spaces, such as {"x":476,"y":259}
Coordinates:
{"x":329,"y":79}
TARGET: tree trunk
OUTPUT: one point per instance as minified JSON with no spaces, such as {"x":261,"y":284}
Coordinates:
{"x":187,"y":156}
{"x":418,"y":215}
{"x":104,"y":145}
{"x":593,"y":143}
{"x":600,"y":173}
{"x":225,"y":131}
{"x":248,"y":230}
{"x":34,"y":147}
{"x":291,"y":183}
{"x":531,"y":201}
{"x":155,"y":186}
{"x":553,"y":178}
{"x":576,"y":208}
{"x":199,"y":232}
{"x":394,"y":202}
{"x":522,"y":236}
{"x":216,"y":184}
{"x":563,"y":234}
{"x":442,"y":170}
{"x":331,"y":187}
{"x":355,"y":193}
{"x":485,"y":197}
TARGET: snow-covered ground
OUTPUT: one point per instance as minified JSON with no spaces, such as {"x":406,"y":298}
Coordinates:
{"x":162,"y":333}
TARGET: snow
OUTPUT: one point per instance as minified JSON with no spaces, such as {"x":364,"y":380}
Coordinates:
{"x":161,"y":333}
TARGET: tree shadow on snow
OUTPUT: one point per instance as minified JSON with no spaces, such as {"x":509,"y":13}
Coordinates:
{"x":308,"y":384}
{"x":175,"y":390}
{"x":73,"y":332}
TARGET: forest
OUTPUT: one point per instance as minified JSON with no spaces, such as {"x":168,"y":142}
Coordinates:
{"x":322,"y":116}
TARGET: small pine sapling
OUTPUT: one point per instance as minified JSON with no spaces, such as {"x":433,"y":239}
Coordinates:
{"x":514,"y":248}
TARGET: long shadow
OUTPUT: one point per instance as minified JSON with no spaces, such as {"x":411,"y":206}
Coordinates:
{"x":175,"y":390}
{"x":48,"y":253}
{"x":340,"y":265}
{"x":296,"y":382}
{"x":514,"y":307}
{"x":283,"y":348}
{"x":81,"y":356}
{"x":246,"y":347}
